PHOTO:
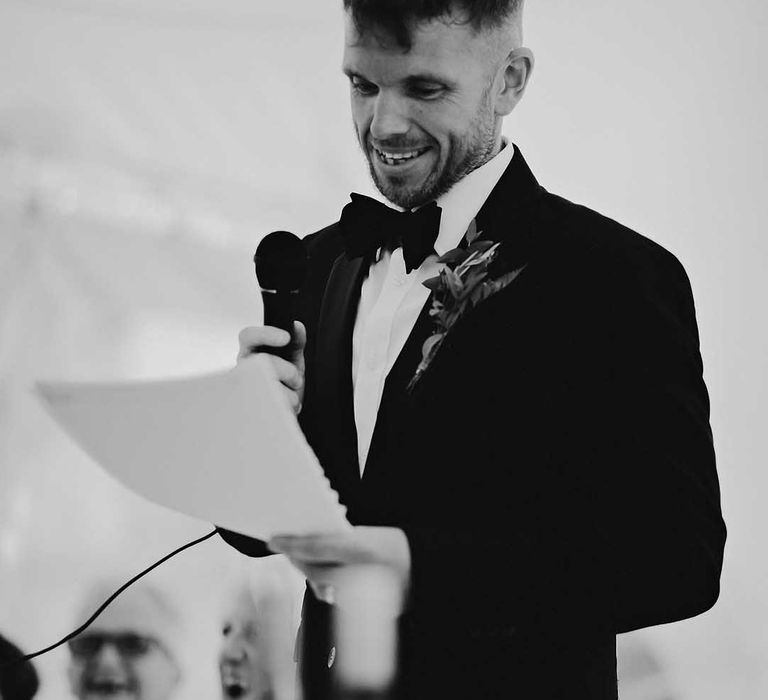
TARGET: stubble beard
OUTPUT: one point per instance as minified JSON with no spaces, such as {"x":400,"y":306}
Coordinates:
{"x":465,"y":154}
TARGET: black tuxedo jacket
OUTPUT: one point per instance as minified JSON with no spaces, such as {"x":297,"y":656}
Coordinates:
{"x":553,"y":470}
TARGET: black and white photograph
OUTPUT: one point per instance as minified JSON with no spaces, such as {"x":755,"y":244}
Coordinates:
{"x":383,"y":350}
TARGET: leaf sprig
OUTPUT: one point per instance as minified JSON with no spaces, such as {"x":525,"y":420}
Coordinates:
{"x":462,"y":284}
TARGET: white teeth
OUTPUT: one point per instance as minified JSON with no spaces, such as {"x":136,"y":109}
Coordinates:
{"x":396,"y":158}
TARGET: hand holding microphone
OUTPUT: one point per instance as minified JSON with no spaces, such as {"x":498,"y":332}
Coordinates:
{"x":281,"y":268}
{"x":290,"y":372}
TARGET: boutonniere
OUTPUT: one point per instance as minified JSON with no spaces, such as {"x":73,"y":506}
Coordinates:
{"x":469,"y":276}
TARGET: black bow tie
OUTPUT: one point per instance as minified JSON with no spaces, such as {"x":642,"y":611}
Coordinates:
{"x":367,"y":225}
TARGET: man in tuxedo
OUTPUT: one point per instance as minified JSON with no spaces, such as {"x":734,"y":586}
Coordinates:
{"x":549,"y":481}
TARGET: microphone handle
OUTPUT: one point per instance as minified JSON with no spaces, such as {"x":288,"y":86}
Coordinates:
{"x":280,"y":312}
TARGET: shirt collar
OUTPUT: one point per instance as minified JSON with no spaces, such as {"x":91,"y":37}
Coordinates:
{"x":464,"y":200}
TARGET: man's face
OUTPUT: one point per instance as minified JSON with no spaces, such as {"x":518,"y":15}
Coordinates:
{"x":122,"y":658}
{"x":425,"y":118}
{"x":120,"y":665}
{"x":242,"y":657}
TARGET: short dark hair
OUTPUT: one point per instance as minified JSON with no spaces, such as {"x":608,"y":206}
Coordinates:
{"x":393,"y":19}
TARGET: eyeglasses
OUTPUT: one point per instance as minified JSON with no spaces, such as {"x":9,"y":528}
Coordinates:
{"x":127,"y":644}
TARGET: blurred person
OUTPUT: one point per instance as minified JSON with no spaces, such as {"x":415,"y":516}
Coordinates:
{"x":256,"y":652}
{"x":130,"y":652}
{"x":243,"y":658}
{"x":538,"y":475}
{"x":18,"y":679}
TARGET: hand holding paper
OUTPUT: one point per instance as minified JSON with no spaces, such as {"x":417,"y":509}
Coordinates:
{"x":326,"y":559}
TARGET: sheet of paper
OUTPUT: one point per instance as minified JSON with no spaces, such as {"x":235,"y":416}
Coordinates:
{"x":222,"y":447}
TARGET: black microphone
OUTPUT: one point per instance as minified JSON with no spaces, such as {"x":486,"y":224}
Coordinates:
{"x":281,"y":268}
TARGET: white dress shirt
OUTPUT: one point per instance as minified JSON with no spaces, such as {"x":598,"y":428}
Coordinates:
{"x":390,"y":300}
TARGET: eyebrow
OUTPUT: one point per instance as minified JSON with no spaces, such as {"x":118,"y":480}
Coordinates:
{"x":429,"y":78}
{"x":409,"y":80}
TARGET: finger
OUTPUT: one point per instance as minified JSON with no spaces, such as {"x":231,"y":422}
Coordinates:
{"x":322,"y":580}
{"x":287,"y":373}
{"x":252,"y":338}
{"x":320,"y":548}
{"x":317,"y":574}
{"x":324,"y":574}
{"x":292,"y":397}
{"x":298,"y":342}
{"x":324,"y":592}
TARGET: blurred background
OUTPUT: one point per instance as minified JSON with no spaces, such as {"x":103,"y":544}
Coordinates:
{"x":147,"y":145}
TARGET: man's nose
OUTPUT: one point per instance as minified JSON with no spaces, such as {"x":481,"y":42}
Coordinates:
{"x":390,"y":117}
{"x":108,"y":656}
{"x":232,"y":650}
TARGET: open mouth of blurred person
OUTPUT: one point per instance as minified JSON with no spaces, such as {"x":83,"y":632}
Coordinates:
{"x":235,"y":683}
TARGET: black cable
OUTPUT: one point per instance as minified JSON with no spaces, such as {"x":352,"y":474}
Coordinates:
{"x":103,"y":606}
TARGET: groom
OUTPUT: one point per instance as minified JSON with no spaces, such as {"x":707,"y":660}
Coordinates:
{"x":549,"y":479}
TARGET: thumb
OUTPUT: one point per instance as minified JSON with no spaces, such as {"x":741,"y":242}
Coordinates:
{"x":298,"y":342}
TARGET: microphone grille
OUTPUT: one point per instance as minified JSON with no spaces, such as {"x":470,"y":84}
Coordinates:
{"x":281,"y":262}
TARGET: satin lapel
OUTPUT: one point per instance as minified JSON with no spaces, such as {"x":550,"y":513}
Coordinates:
{"x":511,"y":213}
{"x":334,"y":370}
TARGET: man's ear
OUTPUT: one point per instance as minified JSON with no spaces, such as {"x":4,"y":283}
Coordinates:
{"x":516,"y":74}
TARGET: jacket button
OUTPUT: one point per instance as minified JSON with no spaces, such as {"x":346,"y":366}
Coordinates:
{"x":331,"y":656}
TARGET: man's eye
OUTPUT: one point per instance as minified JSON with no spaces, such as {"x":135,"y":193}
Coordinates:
{"x":427,"y":92}
{"x":361,"y":87}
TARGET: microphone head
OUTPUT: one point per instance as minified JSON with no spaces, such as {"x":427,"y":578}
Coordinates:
{"x":281,"y":262}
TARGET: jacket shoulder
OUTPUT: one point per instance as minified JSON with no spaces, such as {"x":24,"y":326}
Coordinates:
{"x":604,"y":246}
{"x":325,"y":245}
{"x":612,"y":269}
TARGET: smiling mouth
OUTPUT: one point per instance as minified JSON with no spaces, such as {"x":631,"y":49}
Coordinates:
{"x":398,"y":158}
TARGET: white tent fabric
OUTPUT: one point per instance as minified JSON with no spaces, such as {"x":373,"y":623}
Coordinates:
{"x":146,"y":145}
{"x":180,"y":101}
